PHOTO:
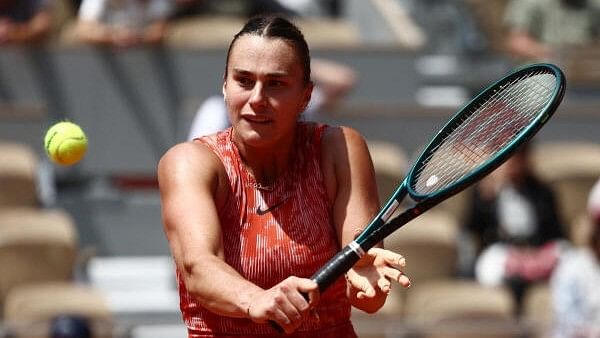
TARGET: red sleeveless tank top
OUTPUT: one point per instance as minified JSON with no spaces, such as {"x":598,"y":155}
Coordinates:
{"x":271,"y":233}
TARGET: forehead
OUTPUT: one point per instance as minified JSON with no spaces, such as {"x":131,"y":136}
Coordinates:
{"x":255,"y":54}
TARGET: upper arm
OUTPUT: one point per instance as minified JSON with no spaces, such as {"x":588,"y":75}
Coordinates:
{"x":188,"y":176}
{"x":350,"y":180}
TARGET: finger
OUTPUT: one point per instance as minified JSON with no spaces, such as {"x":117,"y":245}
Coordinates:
{"x":307,"y":285}
{"x":392,"y":273}
{"x":362,"y":284}
{"x":291,"y":327}
{"x":299,"y":301}
{"x":366,"y":290}
{"x":310,"y":290}
{"x":390,"y":257}
{"x":404,"y":281}
{"x":397,"y":276}
{"x":286,"y":302}
{"x":313,"y":298}
{"x":288,"y":322}
{"x":291,"y":307}
{"x":384,"y":285}
{"x":281,"y":319}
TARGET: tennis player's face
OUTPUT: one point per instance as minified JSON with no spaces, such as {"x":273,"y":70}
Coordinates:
{"x":264,"y":90}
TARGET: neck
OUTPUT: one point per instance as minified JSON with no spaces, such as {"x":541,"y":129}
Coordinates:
{"x":267,"y":163}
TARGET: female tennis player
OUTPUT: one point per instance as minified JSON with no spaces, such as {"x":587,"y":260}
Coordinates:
{"x":252,"y":212}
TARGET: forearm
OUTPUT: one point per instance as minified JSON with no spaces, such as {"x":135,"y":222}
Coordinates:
{"x":218,"y":287}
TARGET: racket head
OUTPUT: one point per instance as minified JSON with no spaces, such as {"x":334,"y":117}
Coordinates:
{"x":486,"y":131}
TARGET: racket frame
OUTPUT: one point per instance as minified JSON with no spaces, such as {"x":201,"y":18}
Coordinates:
{"x":381,"y":225}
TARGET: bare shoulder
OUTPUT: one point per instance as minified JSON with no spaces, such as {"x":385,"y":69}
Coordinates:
{"x":343,"y":141}
{"x":342,"y":148}
{"x":187,"y":153}
{"x":188,"y":161}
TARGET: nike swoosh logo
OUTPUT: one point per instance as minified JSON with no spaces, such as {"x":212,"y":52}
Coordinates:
{"x":261,"y":212}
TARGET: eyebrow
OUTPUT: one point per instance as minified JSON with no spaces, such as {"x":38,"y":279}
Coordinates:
{"x":273,"y":74}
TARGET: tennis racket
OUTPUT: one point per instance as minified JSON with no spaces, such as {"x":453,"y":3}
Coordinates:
{"x":475,"y":141}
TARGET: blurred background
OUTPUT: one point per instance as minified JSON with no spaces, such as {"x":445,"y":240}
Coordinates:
{"x":82,"y":251}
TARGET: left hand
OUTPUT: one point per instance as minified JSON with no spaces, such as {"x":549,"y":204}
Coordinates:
{"x":374,"y":273}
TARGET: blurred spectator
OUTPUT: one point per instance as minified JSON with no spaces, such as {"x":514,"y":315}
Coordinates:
{"x":332,"y":82}
{"x":513,"y":218}
{"x":246,"y":8}
{"x":123,"y":23}
{"x":306,"y":8}
{"x":574,"y":284}
{"x":539,"y":29}
{"x":76,"y":4}
{"x":24,"y":21}
{"x":70,"y":326}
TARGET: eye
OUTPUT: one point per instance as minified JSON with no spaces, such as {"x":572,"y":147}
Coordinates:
{"x":276,"y":83}
{"x":245,"y":82}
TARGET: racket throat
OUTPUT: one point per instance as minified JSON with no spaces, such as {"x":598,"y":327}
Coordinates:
{"x":389,"y":211}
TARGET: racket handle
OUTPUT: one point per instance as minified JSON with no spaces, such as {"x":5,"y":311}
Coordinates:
{"x":329,"y":273}
{"x":336,"y":267}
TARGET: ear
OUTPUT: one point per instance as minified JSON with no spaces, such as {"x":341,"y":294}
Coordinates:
{"x":224,"y":91}
{"x":307,"y":95}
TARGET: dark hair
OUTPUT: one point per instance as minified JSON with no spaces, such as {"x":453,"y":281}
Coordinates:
{"x":276,"y":27}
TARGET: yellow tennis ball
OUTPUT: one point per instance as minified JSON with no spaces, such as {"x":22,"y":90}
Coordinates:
{"x":65,"y":143}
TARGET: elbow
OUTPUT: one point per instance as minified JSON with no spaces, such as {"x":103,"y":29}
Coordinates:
{"x":196,"y":275}
{"x":196,"y":278}
{"x":191,"y":274}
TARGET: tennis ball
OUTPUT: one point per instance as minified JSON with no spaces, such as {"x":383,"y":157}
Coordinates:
{"x":65,"y":143}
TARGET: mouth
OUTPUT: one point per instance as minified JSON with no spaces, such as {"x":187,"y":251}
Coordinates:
{"x":259,"y":119}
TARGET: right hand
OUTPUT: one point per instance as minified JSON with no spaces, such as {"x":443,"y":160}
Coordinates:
{"x":284,"y":303}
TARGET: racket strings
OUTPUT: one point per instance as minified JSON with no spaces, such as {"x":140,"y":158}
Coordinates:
{"x":470,"y":144}
{"x":523,"y":98}
{"x":485,"y":130}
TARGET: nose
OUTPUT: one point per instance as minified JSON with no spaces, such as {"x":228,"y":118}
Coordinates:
{"x":258,"y":97}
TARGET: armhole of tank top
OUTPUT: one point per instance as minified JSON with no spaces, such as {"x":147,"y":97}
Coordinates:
{"x":211,"y":144}
{"x":319,"y":131}
{"x":208,"y":143}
